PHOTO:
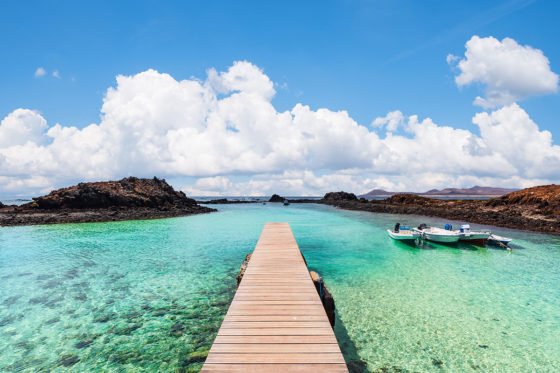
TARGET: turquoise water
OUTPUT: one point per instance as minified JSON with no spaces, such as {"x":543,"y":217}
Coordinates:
{"x":150,"y":295}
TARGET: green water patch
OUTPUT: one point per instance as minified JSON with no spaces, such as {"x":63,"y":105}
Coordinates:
{"x":151,"y":295}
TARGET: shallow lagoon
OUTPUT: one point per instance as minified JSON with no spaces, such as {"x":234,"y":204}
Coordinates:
{"x":150,"y":295}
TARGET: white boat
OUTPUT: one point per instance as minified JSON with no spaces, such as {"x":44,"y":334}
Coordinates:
{"x":494,"y":239}
{"x":438,"y":234}
{"x":466,"y":234}
{"x":403,"y":234}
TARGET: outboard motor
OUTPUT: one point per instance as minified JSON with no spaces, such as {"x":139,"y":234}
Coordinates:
{"x":397,"y":227}
{"x":422,"y":226}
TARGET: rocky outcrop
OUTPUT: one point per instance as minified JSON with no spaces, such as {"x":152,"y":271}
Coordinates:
{"x":406,"y":199}
{"x":535,"y":209}
{"x":127,"y":199}
{"x":243,"y":268}
{"x":2,"y":205}
{"x":540,"y":200}
{"x":339,"y":196}
{"x":128,"y":192}
{"x":325,"y":295}
{"x":276,"y":198}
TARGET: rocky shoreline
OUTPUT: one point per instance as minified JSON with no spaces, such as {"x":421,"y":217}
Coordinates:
{"x":535,"y":209}
{"x":127,"y":199}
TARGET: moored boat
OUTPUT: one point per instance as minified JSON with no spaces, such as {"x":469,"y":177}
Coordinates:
{"x":402,"y":233}
{"x":494,"y":239}
{"x":474,"y":237}
{"x":437,"y":234}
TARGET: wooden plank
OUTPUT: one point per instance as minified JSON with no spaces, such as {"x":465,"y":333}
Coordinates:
{"x":274,"y":324}
{"x":328,"y":358}
{"x":276,"y":348}
{"x":275,"y":368}
{"x":276,"y":321}
{"x":230,"y":339}
{"x":231,"y":318}
{"x":276,"y":331}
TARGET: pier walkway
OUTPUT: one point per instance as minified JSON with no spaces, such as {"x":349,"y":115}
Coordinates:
{"x":276,"y":322}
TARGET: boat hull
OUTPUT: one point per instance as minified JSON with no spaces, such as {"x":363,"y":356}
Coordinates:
{"x":477,"y":238}
{"x":402,"y":236}
{"x":441,"y":238}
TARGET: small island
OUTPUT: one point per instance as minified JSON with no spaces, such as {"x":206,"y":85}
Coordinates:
{"x":128,"y":199}
{"x":535,"y":209}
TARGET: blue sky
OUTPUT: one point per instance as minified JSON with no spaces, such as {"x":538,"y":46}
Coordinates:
{"x":365,"y":57}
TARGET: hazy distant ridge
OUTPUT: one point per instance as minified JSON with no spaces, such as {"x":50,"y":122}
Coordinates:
{"x":474,"y":191}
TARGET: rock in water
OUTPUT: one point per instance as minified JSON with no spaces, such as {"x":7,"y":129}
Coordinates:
{"x":127,"y":199}
{"x":128,"y":192}
{"x":325,"y":295}
{"x":243,"y":268}
{"x":340,"y":196}
{"x":276,"y":198}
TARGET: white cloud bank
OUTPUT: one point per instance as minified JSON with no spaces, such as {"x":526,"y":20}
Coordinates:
{"x":226,"y":132}
{"x":509,"y":71}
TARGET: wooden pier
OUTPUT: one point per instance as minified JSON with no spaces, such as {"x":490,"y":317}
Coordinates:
{"x":276,"y":321}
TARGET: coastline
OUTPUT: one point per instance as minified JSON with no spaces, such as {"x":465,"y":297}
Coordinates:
{"x":471,"y":211}
{"x":12,"y":216}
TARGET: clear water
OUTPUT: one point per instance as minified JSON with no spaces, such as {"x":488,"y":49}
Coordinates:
{"x":150,"y":295}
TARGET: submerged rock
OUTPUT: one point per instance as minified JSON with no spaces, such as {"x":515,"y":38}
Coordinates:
{"x":83,"y":344}
{"x":177,"y":330}
{"x":68,"y":360}
{"x":197,"y":356}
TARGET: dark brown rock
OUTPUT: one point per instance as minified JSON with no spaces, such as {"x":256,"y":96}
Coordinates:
{"x":127,"y":199}
{"x":276,"y":198}
{"x":536,"y":209}
{"x":128,"y":192}
{"x":243,"y":268}
{"x":325,"y":295}
{"x":340,"y":196}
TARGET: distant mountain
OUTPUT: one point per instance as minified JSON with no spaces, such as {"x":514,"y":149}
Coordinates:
{"x":474,"y":191}
{"x":378,"y":193}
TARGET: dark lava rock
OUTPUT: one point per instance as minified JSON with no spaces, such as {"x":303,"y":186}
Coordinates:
{"x":276,"y":198}
{"x":128,"y":192}
{"x":340,"y":196}
{"x":325,"y":295}
{"x":68,"y":360}
{"x":243,"y":268}
{"x":2,"y":205}
{"x":127,"y":199}
{"x":405,"y":198}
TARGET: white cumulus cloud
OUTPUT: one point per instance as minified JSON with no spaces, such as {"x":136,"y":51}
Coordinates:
{"x":508,"y":70}
{"x":225,"y":133}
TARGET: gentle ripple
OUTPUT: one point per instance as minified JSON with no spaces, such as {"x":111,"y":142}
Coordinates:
{"x":150,"y":295}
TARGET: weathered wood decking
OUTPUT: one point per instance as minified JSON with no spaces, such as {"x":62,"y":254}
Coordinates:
{"x":276,"y":322}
